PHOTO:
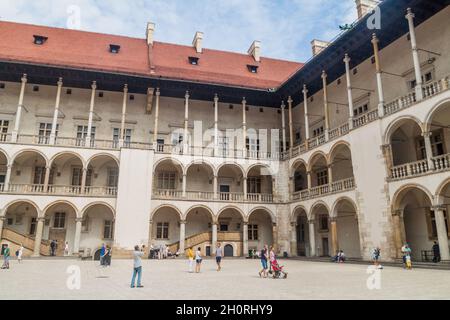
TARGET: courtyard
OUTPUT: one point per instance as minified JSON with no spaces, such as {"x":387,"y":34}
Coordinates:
{"x":238,"y":280}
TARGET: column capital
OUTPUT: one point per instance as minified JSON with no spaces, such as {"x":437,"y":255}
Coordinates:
{"x":427,"y":134}
{"x":305,"y":90}
{"x":274,"y":224}
{"x":244,"y":102}
{"x":150,"y":221}
{"x":216,"y":98}
{"x":245,"y":223}
{"x":289,"y":101}
{"x":293,"y":223}
{"x":324,"y":75}
{"x":2,"y":218}
{"x":398,"y":213}
{"x":94,"y":85}
{"x":409,"y":14}
{"x":60,"y":82}
{"x":311,"y":221}
{"x":439,"y":207}
{"x":374,"y":38}
{"x":347,"y":58}
{"x":183,"y":222}
{"x":24,"y":78}
{"x":125,"y":88}
{"x":283,"y":106}
{"x":333,"y":219}
{"x":158,"y":92}
{"x":79,"y":219}
{"x":42,"y":219}
{"x":186,"y":96}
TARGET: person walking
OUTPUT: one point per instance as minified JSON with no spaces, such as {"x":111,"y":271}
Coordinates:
{"x":272,"y":258}
{"x":190,"y":256}
{"x":376,"y":254}
{"x":436,"y":253}
{"x":66,"y":249}
{"x":102,"y":254}
{"x":137,"y":267}
{"x":198,"y":260}
{"x":406,"y":251}
{"x":20,"y":253}
{"x":53,"y":248}
{"x":263,"y":258}
{"x":219,"y":254}
{"x":108,"y":256}
{"x":6,"y":257}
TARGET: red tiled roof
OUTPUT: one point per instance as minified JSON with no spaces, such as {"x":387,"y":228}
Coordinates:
{"x":88,"y":50}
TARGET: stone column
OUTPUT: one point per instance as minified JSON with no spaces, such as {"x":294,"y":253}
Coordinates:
{"x":349,"y":91}
{"x":155,"y":130}
{"x":441,"y":232}
{"x":91,"y":114}
{"x":396,"y":219}
{"x":216,"y":125}
{"x":215,"y":187}
{"x":330,"y":174}
{"x":214,"y":238}
{"x":16,"y":129}
{"x":150,"y":232}
{"x":46,"y":178}
{"x":83,"y":180}
{"x":186,"y":123}
{"x":325,"y":105}
{"x":2,"y":220}
{"x":283,"y":126}
{"x":308,"y":177}
{"x":305,"y":103}
{"x":245,"y":239}
{"x":76,"y":244}
{"x":291,"y":126}
{"x":124,"y":114}
{"x":293,"y":239}
{"x":7,"y":177}
{"x":334,"y":236}
{"x":56,"y":112}
{"x":412,"y":33}
{"x":428,"y":149}
{"x":244,"y":188}
{"x":38,"y":237}
{"x":244,"y":128}
{"x":378,"y":74}
{"x":182,"y":235}
{"x":312,"y":237}
{"x":184,"y":185}
{"x":275,"y":237}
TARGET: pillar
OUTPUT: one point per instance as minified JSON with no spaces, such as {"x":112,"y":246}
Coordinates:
{"x":283,"y":126}
{"x":349,"y":91}
{"x":216,"y":125}
{"x":76,"y":244}
{"x":334,"y":237}
{"x":441,"y":232}
{"x":428,"y":149}
{"x":186,"y":123}
{"x":56,"y":112}
{"x":38,"y":237}
{"x":245,"y":239}
{"x":7,"y":177}
{"x":184,"y":185}
{"x":214,"y":238}
{"x":83,"y":180}
{"x":308,"y":176}
{"x":46,"y":178}
{"x":330,"y":174}
{"x":182,"y":235}
{"x":378,"y":75}
{"x":2,"y":220}
{"x":305,"y":103}
{"x":244,"y":188}
{"x":293,"y":239}
{"x":215,"y":187}
{"x":291,"y":125}
{"x":325,"y":105}
{"x":244,"y":128}
{"x":155,"y":130}
{"x":275,"y":237}
{"x":91,"y":114}
{"x":398,"y":241}
{"x":124,"y":113}
{"x":312,"y":237}
{"x":16,"y":129}
{"x":412,"y":33}
{"x":150,"y":232}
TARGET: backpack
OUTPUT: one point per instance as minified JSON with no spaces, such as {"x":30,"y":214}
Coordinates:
{"x":17,"y":253}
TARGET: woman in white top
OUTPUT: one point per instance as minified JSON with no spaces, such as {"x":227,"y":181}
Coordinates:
{"x":19,"y":256}
{"x":66,"y":249}
{"x":198,"y":260}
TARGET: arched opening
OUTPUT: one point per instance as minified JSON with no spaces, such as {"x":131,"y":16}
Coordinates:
{"x":166,"y":228}
{"x":260,"y":229}
{"x":439,"y":127}
{"x":97,"y":227}
{"x":341,"y":163}
{"x":319,"y":170}
{"x":299,"y":177}
{"x":199,"y":181}
{"x":168,"y":179}
{"x":230,"y":182}
{"x":321,"y":217}
{"x":228,"y":251}
{"x":21,"y":218}
{"x":259,"y":184}
{"x":66,"y":174}
{"x":60,"y":226}
{"x":230,"y":226}
{"x":199,"y":229}
{"x":3,"y":170}
{"x":347,"y":228}
{"x":407,"y":143}
{"x":28,"y":172}
{"x":102,"y":176}
{"x":301,"y":242}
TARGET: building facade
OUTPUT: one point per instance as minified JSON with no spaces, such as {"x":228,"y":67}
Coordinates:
{"x":109,"y":139}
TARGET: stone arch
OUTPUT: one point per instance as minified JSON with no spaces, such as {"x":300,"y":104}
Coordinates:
{"x":102,"y":154}
{"x":21,"y":152}
{"x":432,"y":112}
{"x":316,"y":154}
{"x":335,"y":146}
{"x":263,"y":165}
{"x":241,"y":213}
{"x":233,"y":164}
{"x":294,"y":213}
{"x":297,"y":164}
{"x":315,"y":206}
{"x":267,"y":210}
{"x":198,"y":206}
{"x":397,"y":123}
{"x":201,"y":162}
{"x":166,"y":206}
{"x":8,"y":205}
{"x":5,"y":154}
{"x":440,"y":189}
{"x":404,"y":189}
{"x":52,"y":159}
{"x":97,"y":203}
{"x":176,"y":163}
{"x":344,"y":198}
{"x":57,"y":202}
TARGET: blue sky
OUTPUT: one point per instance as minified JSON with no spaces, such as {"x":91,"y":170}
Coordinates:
{"x":285,"y":27}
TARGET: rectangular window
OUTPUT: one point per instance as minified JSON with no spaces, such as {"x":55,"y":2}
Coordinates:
{"x":59,"y":221}
{"x":33,"y":225}
{"x":85,"y":225}
{"x":4,"y":124}
{"x":254,"y":185}
{"x":252,"y":232}
{"x":432,"y":223}
{"x":160,"y":145}
{"x":77,"y":176}
{"x":162,"y":230}
{"x":252,"y":144}
{"x":224,"y":145}
{"x":39,"y":175}
{"x":360,"y":110}
{"x":322,"y":177}
{"x":223,"y":227}
{"x":82,"y":134}
{"x":108,"y":229}
{"x":166,"y":180}
{"x":323,"y":222}
{"x":113,"y":177}
{"x":45,"y":130}
{"x":117,"y":134}
{"x":318,"y":131}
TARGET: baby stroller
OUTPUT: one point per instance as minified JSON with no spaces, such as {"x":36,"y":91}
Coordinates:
{"x":277,"y":271}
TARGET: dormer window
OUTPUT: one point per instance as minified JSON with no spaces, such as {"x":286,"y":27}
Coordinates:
{"x":39,"y":40}
{"x":193,"y":61}
{"x":252,"y":68}
{"x":114,"y":48}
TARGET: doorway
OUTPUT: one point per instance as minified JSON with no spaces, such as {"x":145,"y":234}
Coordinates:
{"x":325,"y":249}
{"x":228,"y":251}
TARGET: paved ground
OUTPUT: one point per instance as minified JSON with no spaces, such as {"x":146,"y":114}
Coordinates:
{"x":169,"y":279}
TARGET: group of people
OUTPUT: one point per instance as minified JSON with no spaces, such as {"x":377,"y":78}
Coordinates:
{"x":268,"y":258}
{"x":161,"y":252}
{"x":54,"y":248}
{"x":105,"y":256}
{"x":7,"y":255}
{"x":339,"y":257}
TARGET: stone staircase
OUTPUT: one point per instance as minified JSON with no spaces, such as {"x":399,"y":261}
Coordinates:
{"x":17,"y":239}
{"x":206,"y":237}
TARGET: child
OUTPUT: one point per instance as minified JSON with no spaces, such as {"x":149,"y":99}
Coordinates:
{"x":408,"y":262}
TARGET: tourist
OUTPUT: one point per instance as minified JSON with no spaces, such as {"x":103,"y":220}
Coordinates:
{"x":137,"y":267}
{"x":336,"y":256}
{"x":108,"y":256}
{"x":53,"y":248}
{"x":66,"y":249}
{"x":6,"y":257}
{"x":408,"y":263}
{"x":219,"y":254}
{"x":20,"y":253}
{"x":341,"y":256}
{"x":272,"y":258}
{"x":198,"y":260}
{"x":406,"y":251}
{"x":376,"y":254}
{"x":190,"y":255}
{"x":102,"y":254}
{"x":436,"y":253}
{"x":263,"y":258}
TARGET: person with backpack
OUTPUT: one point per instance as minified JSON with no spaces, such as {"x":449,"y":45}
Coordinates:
{"x":376,"y":254}
{"x":53,"y":248}
{"x":19,"y":254}
{"x":6,"y":257}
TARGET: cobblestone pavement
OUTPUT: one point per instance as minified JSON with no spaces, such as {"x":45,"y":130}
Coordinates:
{"x":169,"y":279}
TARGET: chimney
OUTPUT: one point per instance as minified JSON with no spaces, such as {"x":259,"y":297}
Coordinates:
{"x":255,"y":50}
{"x":318,"y":46}
{"x":150,"y":33}
{"x":197,"y":42}
{"x":365,"y":6}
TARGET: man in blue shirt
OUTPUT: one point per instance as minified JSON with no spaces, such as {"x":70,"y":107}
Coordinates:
{"x":137,"y":267}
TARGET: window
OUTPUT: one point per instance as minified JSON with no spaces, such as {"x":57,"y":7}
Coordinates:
{"x":224,"y":145}
{"x":113,"y":177}
{"x":77,"y":176}
{"x":298,"y":182}
{"x":223,"y":227}
{"x":317,"y":132}
{"x":166,"y":180}
{"x":193,"y":60}
{"x":59,"y":221}
{"x":85,"y":224}
{"x":252,"y":232}
{"x":432,"y":229}
{"x":69,"y":91}
{"x":252,"y":144}
{"x":322,"y":177}
{"x":437,"y":145}
{"x":108,"y":229}
{"x":117,"y":134}
{"x":427,"y":77}
{"x":45,"y":129}
{"x":323,"y":222}
{"x":39,"y":175}
{"x":39,"y":40}
{"x":36,"y":88}
{"x":360,"y":110}
{"x":114,"y":48}
{"x":82,"y":134}
{"x":177,"y":138}
{"x":33,"y":225}
{"x":160,"y":145}
{"x":162,"y":230}
{"x":252,"y":69}
{"x":254,"y":185}
{"x":4,"y":124}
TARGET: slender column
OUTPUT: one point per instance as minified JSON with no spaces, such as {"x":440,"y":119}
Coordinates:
{"x":245,"y":239}
{"x":305,"y":103}
{"x":334,"y":237}
{"x":216,"y":125}
{"x":150,"y":232}
{"x":275,"y":237}
{"x":56,"y":112}
{"x":244,"y":128}
{"x":182,"y":235}
{"x":349,"y":91}
{"x":441,"y":232}
{"x":184,"y":185}
{"x":7,"y":177}
{"x":2,"y":220}
{"x":38,"y":237}
{"x":293,"y":239}
{"x":124,"y":114}
{"x":83,"y":180}
{"x":215,"y":187}
{"x":312,"y":238}
{"x":308,"y":176}
{"x":186,"y":123}
{"x":91,"y":114}
{"x":376,"y":50}
{"x":330,"y":174}
{"x":325,"y":105}
{"x":214,"y":238}
{"x":412,"y":33}
{"x":283,"y":126}
{"x":244,"y":188}
{"x":16,"y":130}
{"x":76,"y":243}
{"x":396,"y":217}
{"x":155,"y":130}
{"x":428,"y":149}
{"x":46,"y":178}
{"x":291,"y":125}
